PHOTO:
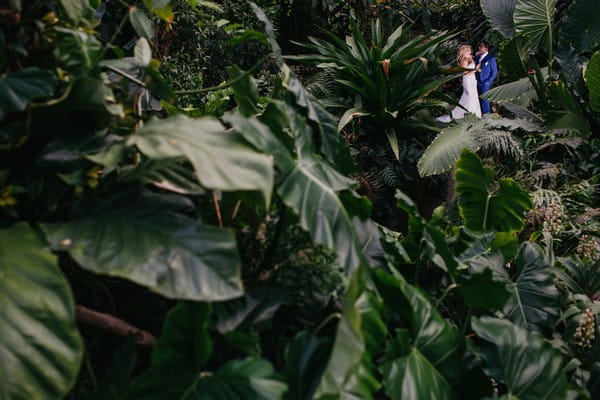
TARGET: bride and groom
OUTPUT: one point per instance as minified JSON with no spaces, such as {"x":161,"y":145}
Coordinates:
{"x":478,"y":80}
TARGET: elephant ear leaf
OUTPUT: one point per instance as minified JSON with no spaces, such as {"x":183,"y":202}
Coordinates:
{"x":424,"y":361}
{"x":522,"y":360}
{"x":533,"y":303}
{"x":500,"y":15}
{"x":483,"y":206}
{"x":136,"y":237}
{"x":222,"y":160}
{"x":249,"y":379}
{"x":592,"y":80}
{"x":535,"y":18}
{"x":445,"y":149}
{"x":40,"y":347}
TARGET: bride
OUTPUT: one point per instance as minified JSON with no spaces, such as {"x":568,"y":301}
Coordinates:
{"x":470,"y":98}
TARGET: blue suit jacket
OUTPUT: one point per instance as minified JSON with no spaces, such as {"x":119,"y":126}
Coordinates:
{"x":489,"y":70}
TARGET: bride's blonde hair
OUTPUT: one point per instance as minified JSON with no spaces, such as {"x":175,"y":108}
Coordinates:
{"x":463,"y":51}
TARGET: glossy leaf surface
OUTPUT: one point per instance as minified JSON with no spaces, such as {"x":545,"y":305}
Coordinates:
{"x":40,"y":347}
{"x":138,"y":239}
{"x":222,"y":160}
{"x":534,"y":300}
{"x":529,"y":367}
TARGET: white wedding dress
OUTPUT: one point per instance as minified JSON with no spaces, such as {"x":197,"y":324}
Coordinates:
{"x":469,"y":99}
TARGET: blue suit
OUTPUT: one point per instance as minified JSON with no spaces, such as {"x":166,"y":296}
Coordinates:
{"x":485,"y":78}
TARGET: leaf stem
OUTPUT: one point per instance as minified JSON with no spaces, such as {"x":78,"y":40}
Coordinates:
{"x":326,"y":321}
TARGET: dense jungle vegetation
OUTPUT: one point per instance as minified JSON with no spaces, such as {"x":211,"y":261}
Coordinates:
{"x":224,"y":200}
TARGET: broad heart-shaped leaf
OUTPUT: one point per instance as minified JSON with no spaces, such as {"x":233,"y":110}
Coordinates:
{"x":222,"y":160}
{"x":512,"y":91}
{"x":40,"y":347}
{"x":445,"y":149}
{"x":534,"y":300}
{"x":307,"y":185}
{"x":249,"y":379}
{"x":18,"y":88}
{"x":425,"y":361}
{"x":535,"y":18}
{"x":482,"y":208}
{"x":500,"y":15}
{"x":528,"y":365}
{"x":592,"y":80}
{"x":581,"y":27}
{"x":135,"y":237}
{"x":306,"y":357}
{"x":183,"y":348}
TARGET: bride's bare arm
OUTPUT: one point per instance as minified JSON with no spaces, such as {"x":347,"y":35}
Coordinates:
{"x":465,"y":62}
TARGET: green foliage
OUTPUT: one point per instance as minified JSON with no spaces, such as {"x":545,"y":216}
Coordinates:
{"x":481,"y":205}
{"x":393,"y":79}
{"x":40,"y":346}
{"x":250,"y":218}
{"x":500,"y":340}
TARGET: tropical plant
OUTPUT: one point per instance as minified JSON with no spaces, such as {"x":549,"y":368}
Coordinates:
{"x":201,"y":216}
{"x":386,"y":81}
{"x":563,"y":46}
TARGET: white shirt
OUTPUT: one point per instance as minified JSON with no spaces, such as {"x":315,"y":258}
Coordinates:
{"x":481,"y":57}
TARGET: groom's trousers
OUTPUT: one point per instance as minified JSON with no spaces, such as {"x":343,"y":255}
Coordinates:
{"x":485,"y":105}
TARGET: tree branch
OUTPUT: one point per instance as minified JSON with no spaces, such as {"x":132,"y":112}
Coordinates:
{"x":114,"y":325}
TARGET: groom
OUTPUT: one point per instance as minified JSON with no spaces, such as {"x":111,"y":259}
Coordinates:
{"x":487,"y":70}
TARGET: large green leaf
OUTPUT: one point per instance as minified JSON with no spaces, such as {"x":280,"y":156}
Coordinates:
{"x":139,"y":238}
{"x":308,"y":185}
{"x":424,"y":361}
{"x":250,"y":379}
{"x":535,"y":18}
{"x":528,"y":365}
{"x":581,"y":27}
{"x":141,"y":23}
{"x":222,"y":160}
{"x":534,"y":300}
{"x":483,"y":207}
{"x":512,"y":91}
{"x":592,"y":80}
{"x":306,"y":357}
{"x":500,"y":15}
{"x":513,"y":57}
{"x":40,"y":347}
{"x":77,"y":51}
{"x":183,"y":348}
{"x":17,"y":89}
{"x":349,"y":345}
{"x":332,"y":144}
{"x":445,"y":149}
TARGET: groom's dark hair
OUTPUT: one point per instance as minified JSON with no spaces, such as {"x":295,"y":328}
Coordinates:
{"x":485,"y":43}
